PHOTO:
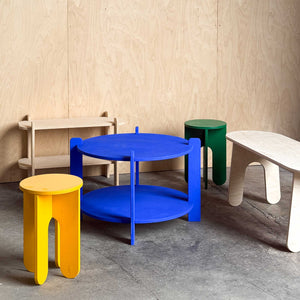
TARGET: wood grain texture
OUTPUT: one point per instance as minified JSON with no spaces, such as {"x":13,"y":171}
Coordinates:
{"x":274,"y":147}
{"x":259,"y":65}
{"x":33,"y":76}
{"x":293,"y":241}
{"x":150,"y":63}
{"x":265,"y":148}
{"x":144,"y":62}
{"x":32,"y":162}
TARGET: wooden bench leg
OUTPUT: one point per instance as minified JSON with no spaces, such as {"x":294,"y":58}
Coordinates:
{"x":241,"y":158}
{"x":272,"y":181}
{"x":293,"y":239}
{"x":239,"y":162}
{"x":107,"y":171}
{"x":116,"y":173}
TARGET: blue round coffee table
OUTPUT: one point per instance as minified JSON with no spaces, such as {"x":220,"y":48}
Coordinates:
{"x":135,"y":203}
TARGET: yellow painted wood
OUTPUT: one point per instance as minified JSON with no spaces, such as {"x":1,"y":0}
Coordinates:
{"x":57,"y":244}
{"x":29,"y":231}
{"x":45,"y":197}
{"x":51,"y":184}
{"x":42,"y":217}
{"x":70,"y":231}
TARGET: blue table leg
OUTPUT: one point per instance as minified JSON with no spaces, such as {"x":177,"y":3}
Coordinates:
{"x":194,"y":184}
{"x":137,"y":165}
{"x":76,"y":162}
{"x":132,"y":199}
{"x":75,"y":157}
{"x":137,"y":173}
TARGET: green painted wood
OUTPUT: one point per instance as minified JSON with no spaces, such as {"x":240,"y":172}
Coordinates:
{"x":212,"y":134}
{"x":205,"y":124}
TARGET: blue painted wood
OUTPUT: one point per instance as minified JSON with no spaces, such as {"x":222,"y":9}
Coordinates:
{"x":137,"y":165}
{"x":194,"y":186}
{"x":152,"y":204}
{"x":137,"y":203}
{"x":132,"y":199}
{"x":75,"y":157}
{"x":76,"y":163}
{"x":137,"y":173}
{"x":146,"y":146}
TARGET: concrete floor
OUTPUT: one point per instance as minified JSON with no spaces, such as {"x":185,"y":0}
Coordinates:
{"x":233,"y":253}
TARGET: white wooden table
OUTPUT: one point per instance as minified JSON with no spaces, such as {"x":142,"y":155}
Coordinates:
{"x":271,"y":150}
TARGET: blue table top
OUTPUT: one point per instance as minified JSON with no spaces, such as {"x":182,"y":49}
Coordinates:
{"x":146,"y":146}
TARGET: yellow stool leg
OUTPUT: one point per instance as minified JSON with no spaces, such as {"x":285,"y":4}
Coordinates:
{"x":28,"y":235}
{"x":66,"y":210}
{"x":43,"y":215}
{"x":57,"y":244}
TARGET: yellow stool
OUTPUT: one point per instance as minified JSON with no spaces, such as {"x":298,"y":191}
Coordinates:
{"x":44,"y":197}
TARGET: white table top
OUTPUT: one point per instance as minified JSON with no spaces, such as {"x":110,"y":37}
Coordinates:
{"x":275,"y":147}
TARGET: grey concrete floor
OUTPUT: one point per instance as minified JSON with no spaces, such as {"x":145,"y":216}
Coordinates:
{"x":233,"y":253}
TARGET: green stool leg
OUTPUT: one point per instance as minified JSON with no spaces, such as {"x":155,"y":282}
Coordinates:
{"x":217,"y":142}
{"x":212,"y":134}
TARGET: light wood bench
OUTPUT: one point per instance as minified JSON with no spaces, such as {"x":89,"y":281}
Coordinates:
{"x":271,"y":150}
{"x":32,"y":162}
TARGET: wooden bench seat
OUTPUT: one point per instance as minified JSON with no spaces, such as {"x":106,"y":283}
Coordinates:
{"x":271,"y":150}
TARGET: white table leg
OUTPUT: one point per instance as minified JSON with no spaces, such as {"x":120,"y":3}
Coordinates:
{"x":239,"y":162}
{"x":293,"y":239}
{"x":272,"y":181}
{"x":241,"y":158}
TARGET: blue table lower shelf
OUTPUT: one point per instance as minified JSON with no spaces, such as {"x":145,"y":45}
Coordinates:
{"x":153,"y":204}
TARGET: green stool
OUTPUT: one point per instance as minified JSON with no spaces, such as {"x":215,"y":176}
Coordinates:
{"x":212,"y":134}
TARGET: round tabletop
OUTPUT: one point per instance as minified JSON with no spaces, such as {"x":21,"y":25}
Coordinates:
{"x":51,"y":184}
{"x":146,"y":146}
{"x":205,"y":124}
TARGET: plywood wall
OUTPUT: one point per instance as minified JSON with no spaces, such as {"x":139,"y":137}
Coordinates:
{"x":151,"y":63}
{"x":144,"y":62}
{"x":259,"y":65}
{"x":33,"y":75}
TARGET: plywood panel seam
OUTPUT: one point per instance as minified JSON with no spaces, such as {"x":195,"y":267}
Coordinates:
{"x":68,"y":66}
{"x":68,"y":63}
{"x":217,"y":56}
{"x":68,"y":71}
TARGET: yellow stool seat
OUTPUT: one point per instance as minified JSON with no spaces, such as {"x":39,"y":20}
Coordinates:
{"x":45,"y":197}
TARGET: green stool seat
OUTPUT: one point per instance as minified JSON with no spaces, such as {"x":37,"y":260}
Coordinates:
{"x":212,"y":134}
